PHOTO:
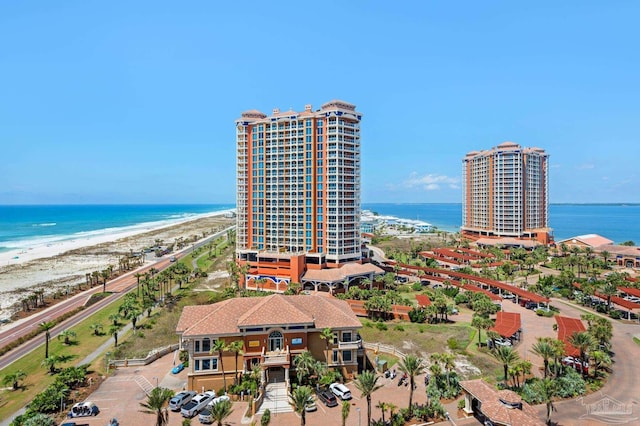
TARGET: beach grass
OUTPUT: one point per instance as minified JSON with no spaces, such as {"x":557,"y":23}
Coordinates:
{"x":38,"y":377}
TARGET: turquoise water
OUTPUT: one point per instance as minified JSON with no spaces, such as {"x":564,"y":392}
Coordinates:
{"x":618,"y":222}
{"x":26,"y":226}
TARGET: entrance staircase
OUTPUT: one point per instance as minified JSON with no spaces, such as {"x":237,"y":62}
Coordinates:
{"x":275,"y":399}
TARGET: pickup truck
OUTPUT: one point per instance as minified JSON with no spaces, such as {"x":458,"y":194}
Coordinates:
{"x":197,"y":403}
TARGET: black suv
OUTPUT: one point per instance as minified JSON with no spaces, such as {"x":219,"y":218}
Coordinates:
{"x":328,"y":398}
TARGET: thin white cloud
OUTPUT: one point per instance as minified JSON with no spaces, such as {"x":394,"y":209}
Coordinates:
{"x":586,"y":166}
{"x":431,"y":182}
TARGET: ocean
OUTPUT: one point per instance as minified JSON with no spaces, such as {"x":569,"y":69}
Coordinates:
{"x":27,"y":226}
{"x":32,"y":225}
{"x":617,"y":222}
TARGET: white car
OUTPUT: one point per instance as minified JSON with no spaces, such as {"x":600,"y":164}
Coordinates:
{"x":197,"y":403}
{"x":340,"y":390}
{"x":205,"y":416}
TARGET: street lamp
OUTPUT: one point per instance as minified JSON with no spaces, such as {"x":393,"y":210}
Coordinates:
{"x":156,"y":379}
{"x":358,"y":410}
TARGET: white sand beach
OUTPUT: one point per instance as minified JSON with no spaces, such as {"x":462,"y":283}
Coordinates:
{"x":56,"y":265}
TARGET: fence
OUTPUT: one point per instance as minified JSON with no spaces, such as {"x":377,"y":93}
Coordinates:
{"x":153,"y":355}
{"x":387,"y":349}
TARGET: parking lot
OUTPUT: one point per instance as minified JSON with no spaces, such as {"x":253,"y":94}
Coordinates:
{"x":120,"y":396}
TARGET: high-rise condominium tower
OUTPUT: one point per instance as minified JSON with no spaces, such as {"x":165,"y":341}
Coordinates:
{"x":298,"y":188}
{"x":505,"y":193}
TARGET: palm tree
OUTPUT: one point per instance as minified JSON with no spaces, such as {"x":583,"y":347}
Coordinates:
{"x":327,"y":335}
{"x":52,"y":361}
{"x":138,"y":275}
{"x":13,"y":379}
{"x":544,"y":350}
{"x":113,"y":330}
{"x":236,"y":347}
{"x":114,"y":318}
{"x":46,"y":326}
{"x":367,"y":384}
{"x":67,"y":335}
{"x":219,"y":346}
{"x":300,"y":397}
{"x":97,"y":328}
{"x":507,"y":356}
{"x":155,"y":405}
{"x":383,"y":408}
{"x":221,"y":411}
{"x":346,"y":409}
{"x":481,"y":323}
{"x":546,"y":390}
{"x":105,"y":274}
{"x":582,"y":341}
{"x":304,"y":364}
{"x":413,"y":366}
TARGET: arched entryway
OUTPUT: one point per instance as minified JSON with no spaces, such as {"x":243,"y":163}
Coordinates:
{"x":276,"y":341}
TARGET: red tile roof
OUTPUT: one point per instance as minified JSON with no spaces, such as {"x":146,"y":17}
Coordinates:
{"x":495,"y":410}
{"x":507,"y":323}
{"x":566,"y":327}
{"x":423,"y":300}
{"x":229,"y":316}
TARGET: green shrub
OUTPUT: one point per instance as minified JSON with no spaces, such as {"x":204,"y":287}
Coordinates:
{"x":615,"y":314}
{"x":461,"y":404}
{"x":381,"y":326}
{"x":453,"y":344}
{"x":461,"y":298}
{"x":398,"y":328}
{"x":571,"y":384}
{"x":421,"y":330}
{"x":544,"y":313}
{"x":417,"y":315}
{"x":368,"y":324}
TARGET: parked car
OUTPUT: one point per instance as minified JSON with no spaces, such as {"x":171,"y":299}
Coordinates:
{"x":83,"y":409}
{"x":311,"y":405}
{"x":508,"y":296}
{"x":328,"y":398}
{"x":178,"y":368}
{"x":198,"y":402}
{"x":172,"y":259}
{"x":576,"y":363}
{"x":340,"y":391}
{"x":176,"y":403}
{"x":503,"y":342}
{"x":205,"y":416}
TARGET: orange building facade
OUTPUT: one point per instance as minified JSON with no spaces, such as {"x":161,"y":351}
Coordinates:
{"x":505,"y":193}
{"x":298,"y":192}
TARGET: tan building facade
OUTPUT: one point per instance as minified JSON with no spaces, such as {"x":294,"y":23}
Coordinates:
{"x":505,"y":193}
{"x":273,"y":330}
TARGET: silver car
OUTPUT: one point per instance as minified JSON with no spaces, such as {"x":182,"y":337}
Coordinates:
{"x":205,"y":416}
{"x":176,"y":403}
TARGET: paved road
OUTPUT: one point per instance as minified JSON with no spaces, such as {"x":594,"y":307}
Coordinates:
{"x":119,"y":287}
{"x":622,"y":385}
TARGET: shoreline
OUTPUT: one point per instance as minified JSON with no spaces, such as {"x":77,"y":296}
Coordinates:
{"x":56,"y":267}
{"x":86,"y":239}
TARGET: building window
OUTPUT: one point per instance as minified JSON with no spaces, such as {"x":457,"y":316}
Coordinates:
{"x":347,"y":356}
{"x":206,"y":344}
{"x":346,"y":336}
{"x":334,"y":357}
{"x":205,"y":364}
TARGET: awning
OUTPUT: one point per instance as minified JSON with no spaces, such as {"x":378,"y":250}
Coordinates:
{"x":507,"y":323}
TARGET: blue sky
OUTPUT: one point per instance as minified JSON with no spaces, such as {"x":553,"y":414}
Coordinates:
{"x":135,"y":102}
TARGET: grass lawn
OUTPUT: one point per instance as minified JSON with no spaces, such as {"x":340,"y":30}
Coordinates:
{"x":425,"y":339}
{"x":37,"y":376}
{"x":635,"y":339}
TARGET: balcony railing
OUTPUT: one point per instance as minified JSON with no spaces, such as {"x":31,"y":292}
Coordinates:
{"x":354,"y":344}
{"x":276,"y":357}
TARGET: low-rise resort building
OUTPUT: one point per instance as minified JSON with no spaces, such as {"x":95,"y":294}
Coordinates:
{"x":273,"y":330}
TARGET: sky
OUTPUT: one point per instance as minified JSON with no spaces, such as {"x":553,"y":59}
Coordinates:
{"x":135,"y":102}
